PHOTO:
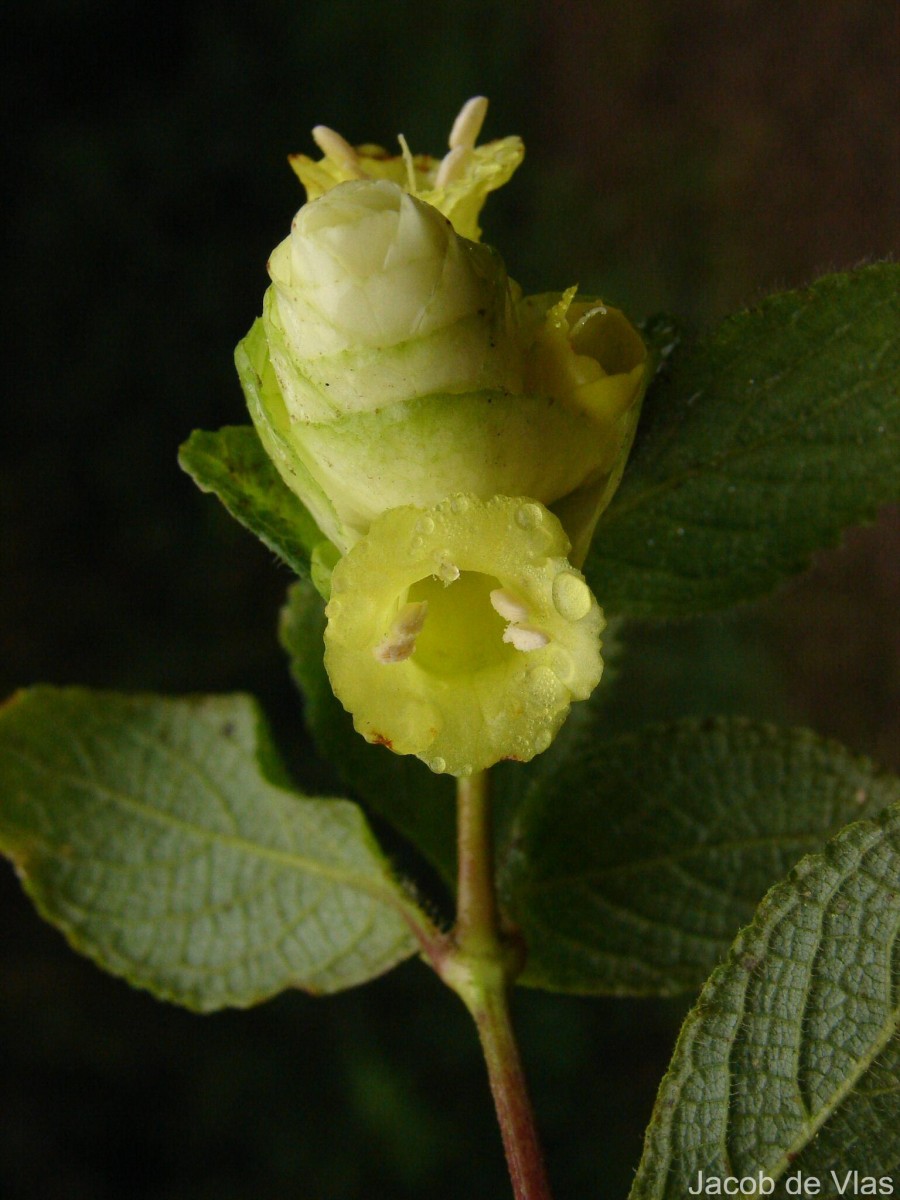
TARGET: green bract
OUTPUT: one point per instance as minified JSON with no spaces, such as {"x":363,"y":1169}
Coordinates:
{"x":461,"y":633}
{"x":394,"y":364}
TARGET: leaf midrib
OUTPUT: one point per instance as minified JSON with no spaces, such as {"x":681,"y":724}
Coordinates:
{"x":679,"y":859}
{"x":288,"y":859}
{"x":837,"y":1098}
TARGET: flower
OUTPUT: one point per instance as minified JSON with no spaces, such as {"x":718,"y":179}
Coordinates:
{"x":461,"y":633}
{"x":457,"y":185}
{"x":396,"y":362}
{"x":454,"y":441}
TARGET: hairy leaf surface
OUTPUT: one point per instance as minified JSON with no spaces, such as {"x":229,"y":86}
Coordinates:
{"x":758,"y":445}
{"x":790,"y":1061}
{"x":631,"y":868}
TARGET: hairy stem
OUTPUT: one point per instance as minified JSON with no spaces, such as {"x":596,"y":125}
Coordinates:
{"x":480,"y":965}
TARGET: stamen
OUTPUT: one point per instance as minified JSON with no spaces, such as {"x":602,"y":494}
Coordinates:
{"x":467,"y":125}
{"x":401,"y":639}
{"x":453,"y":164}
{"x":509,"y":607}
{"x":463,"y":137}
{"x":410,"y":165}
{"x":339,"y":150}
{"x":525,"y":637}
{"x":597,"y":310}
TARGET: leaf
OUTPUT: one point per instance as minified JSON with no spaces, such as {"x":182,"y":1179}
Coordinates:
{"x":162,"y":838}
{"x":790,"y":1060}
{"x":632,"y":866}
{"x":233,"y":465}
{"x":758,"y":445}
{"x":420,"y":804}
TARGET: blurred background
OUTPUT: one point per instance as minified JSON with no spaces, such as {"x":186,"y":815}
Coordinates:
{"x":682,"y":156}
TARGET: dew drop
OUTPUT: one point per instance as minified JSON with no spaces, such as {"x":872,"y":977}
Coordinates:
{"x":438,"y":765}
{"x":528,"y":516}
{"x":542,"y":688}
{"x":571,"y":596}
{"x":459,"y":504}
{"x":416,"y":545}
{"x":425,"y":525}
{"x":444,"y":569}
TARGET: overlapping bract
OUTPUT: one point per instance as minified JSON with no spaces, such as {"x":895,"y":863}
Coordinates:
{"x":396,"y":365}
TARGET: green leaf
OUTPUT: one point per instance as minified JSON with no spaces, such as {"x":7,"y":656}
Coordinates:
{"x":233,"y":465}
{"x":758,"y":445}
{"x":790,"y":1061}
{"x":162,"y":838}
{"x":420,"y":804}
{"x":631,"y":867}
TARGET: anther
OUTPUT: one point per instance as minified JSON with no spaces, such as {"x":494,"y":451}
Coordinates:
{"x":339,"y":150}
{"x":525,"y":637}
{"x":468,"y":123}
{"x":508,"y":606}
{"x":401,"y":638}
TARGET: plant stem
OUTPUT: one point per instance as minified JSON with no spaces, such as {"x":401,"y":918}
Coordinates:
{"x":476,"y":903}
{"x":480,"y":966}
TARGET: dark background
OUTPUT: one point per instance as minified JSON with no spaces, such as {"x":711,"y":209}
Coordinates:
{"x":681,"y":156}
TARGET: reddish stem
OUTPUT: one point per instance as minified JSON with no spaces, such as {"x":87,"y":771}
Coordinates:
{"x":480,"y":966}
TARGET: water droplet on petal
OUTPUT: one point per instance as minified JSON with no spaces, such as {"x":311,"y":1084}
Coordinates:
{"x":571,"y":596}
{"x":425,"y":525}
{"x":459,"y":504}
{"x":543,"y":689}
{"x":438,"y":765}
{"x":529,"y":516}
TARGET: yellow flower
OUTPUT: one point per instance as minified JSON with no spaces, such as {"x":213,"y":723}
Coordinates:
{"x":461,"y":633}
{"x":457,"y":185}
{"x":454,"y":441}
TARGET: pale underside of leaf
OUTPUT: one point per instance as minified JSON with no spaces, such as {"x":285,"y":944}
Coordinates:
{"x":162,"y":837}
